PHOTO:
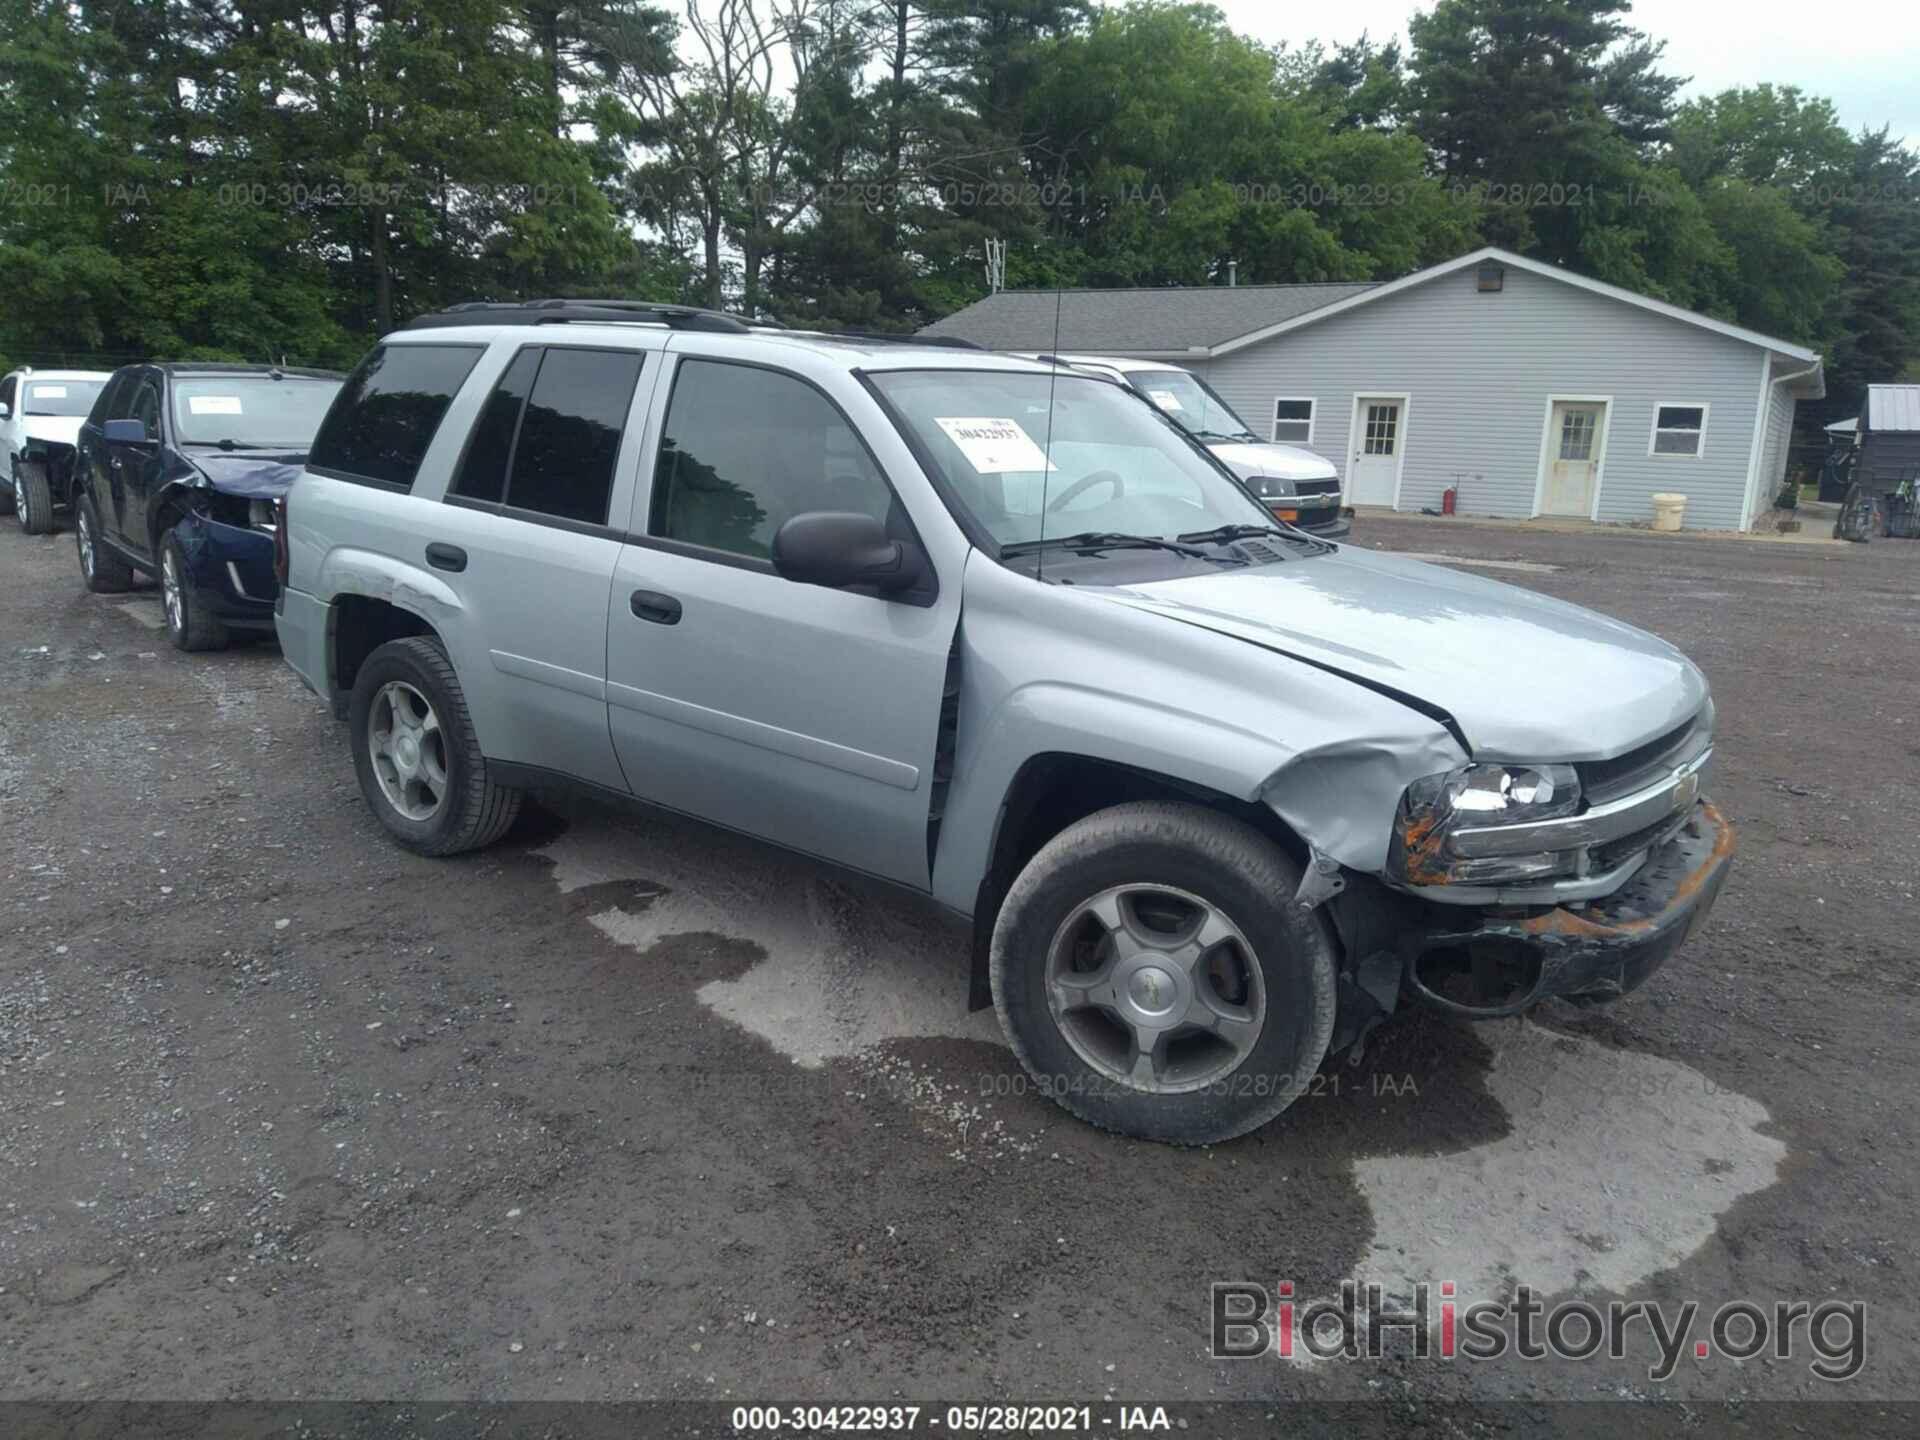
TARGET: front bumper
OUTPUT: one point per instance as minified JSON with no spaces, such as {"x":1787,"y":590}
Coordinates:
{"x":1501,"y":962}
{"x":232,"y":567}
{"x":1316,"y":514}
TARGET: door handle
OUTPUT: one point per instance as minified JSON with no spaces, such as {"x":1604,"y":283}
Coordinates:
{"x":446,"y":557}
{"x":652,"y":605}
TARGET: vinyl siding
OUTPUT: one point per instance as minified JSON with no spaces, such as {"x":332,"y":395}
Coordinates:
{"x":1479,"y":369}
{"x":1773,"y":458}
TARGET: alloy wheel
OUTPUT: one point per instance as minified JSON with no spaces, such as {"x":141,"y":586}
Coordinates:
{"x":170,"y":592}
{"x":1155,"y":988}
{"x":409,"y":750}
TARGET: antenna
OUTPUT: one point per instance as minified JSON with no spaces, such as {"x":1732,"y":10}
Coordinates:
{"x":1046,"y":450}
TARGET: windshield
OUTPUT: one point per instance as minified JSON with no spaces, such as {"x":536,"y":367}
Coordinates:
{"x":254,"y":410}
{"x":1116,"y":467}
{"x":61,"y":397}
{"x":1190,"y":403}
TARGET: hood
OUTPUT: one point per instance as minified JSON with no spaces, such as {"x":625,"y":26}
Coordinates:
{"x":57,"y":429}
{"x":1249,"y":460}
{"x":1525,"y":677}
{"x":250,"y":474}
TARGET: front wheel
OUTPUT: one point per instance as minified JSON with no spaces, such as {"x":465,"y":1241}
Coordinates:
{"x":32,"y":499}
{"x":190,"y":622}
{"x":1155,"y":978}
{"x":416,"y":755}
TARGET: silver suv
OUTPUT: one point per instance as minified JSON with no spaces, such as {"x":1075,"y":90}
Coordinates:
{"x":1218,"y":796}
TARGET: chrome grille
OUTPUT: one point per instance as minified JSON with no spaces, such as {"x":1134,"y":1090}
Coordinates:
{"x":1644,"y":765}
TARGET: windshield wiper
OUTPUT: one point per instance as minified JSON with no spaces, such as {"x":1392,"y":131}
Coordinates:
{"x":1103,"y":540}
{"x":231,"y":445}
{"x":1226,"y":533}
{"x":1241,"y":437}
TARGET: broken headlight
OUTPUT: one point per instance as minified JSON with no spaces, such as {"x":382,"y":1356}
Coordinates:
{"x":1478,"y":797}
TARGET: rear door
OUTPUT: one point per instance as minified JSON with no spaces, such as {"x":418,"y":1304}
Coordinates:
{"x":808,"y":716}
{"x":523,"y":539}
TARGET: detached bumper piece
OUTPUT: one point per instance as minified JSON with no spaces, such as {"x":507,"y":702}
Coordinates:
{"x":1505,"y":962}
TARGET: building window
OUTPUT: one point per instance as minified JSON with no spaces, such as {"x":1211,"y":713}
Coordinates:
{"x":1679,"y":431}
{"x":1293,"y":420}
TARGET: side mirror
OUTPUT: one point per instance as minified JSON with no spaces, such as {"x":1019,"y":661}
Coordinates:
{"x":6,"y":411}
{"x":832,"y":548}
{"x":125,"y":432}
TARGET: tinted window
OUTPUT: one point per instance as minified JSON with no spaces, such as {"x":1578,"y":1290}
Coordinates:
{"x":570,"y":433}
{"x":146,"y":405}
{"x":6,"y":391}
{"x":386,"y":413}
{"x":747,"y":449}
{"x":483,"y":469}
{"x":118,"y":399}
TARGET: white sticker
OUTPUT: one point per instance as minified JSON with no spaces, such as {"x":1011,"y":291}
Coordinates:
{"x":49,"y":392}
{"x":213,"y":404}
{"x":994,"y":445}
{"x":1165,"y":399}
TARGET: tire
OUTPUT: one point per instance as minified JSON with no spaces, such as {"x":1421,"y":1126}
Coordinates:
{"x":190,"y":622}
{"x":471,"y":810}
{"x":104,"y":572}
{"x":1176,"y":860}
{"x":33,"y":499}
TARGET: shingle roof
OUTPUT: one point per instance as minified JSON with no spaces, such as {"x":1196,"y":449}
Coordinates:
{"x":1168,"y":318}
{"x":1893,"y":407}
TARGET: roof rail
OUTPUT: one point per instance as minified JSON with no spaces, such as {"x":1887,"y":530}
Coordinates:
{"x":562,"y":311}
{"x":945,"y":342}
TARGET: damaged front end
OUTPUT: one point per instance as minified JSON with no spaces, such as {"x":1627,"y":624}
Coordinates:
{"x":224,"y":522}
{"x":1507,"y":884}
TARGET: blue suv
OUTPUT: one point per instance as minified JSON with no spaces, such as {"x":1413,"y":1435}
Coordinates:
{"x":177,"y":473}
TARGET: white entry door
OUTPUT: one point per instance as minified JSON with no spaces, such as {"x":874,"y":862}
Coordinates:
{"x":1376,"y":451}
{"x":1573,"y":457}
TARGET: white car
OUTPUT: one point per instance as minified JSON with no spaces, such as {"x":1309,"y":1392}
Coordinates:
{"x":1297,"y":485}
{"x":41,"y":412}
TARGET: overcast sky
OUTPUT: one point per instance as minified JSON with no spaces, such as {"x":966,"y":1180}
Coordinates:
{"x":1864,"y":55}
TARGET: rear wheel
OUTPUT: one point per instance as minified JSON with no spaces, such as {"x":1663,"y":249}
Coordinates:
{"x":1155,"y":978}
{"x":104,"y":571}
{"x":416,"y":755}
{"x":190,"y":622}
{"x":32,"y":498}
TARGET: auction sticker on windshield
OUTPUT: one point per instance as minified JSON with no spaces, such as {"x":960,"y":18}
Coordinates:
{"x":1165,"y":399}
{"x":214,"y":404}
{"x":993,"y":446}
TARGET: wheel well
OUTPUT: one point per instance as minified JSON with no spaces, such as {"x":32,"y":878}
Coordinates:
{"x":360,"y":625}
{"x":1051,"y":792}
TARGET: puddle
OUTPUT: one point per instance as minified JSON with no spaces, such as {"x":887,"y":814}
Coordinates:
{"x":846,"y":967}
{"x":1618,"y":1165}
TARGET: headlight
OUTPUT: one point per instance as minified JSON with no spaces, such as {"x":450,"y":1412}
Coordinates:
{"x":1270,"y":487}
{"x":1475,"y":797}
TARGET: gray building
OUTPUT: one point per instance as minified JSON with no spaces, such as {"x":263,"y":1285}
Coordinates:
{"x":1527,"y":389}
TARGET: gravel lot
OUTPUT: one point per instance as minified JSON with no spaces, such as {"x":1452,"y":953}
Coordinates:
{"x":626,"y":1108}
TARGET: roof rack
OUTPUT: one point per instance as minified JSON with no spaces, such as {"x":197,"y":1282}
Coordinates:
{"x":945,"y":342}
{"x":578,"y":311}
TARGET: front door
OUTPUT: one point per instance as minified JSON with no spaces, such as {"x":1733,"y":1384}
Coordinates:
{"x":805,"y":715}
{"x":135,"y":469}
{"x":1573,"y":457}
{"x":1376,"y":451}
